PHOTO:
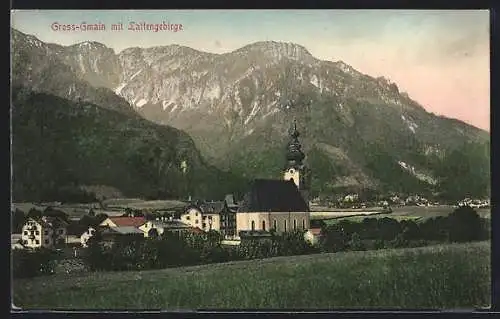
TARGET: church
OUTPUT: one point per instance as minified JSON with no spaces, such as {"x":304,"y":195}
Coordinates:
{"x":278,"y":205}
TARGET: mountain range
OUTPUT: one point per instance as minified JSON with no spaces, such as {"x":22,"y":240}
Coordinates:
{"x":358,"y":132}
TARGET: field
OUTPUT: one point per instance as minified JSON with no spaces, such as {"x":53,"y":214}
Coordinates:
{"x":114,"y":207}
{"x":446,"y":276}
{"x":415,"y":213}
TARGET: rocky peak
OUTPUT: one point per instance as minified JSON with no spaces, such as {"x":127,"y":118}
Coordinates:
{"x":277,"y":50}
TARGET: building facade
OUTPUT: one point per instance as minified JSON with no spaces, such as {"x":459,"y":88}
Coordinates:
{"x":46,"y":232}
{"x":205,"y":216}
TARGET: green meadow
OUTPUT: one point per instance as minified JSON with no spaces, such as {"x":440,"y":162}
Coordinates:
{"x":450,"y":276}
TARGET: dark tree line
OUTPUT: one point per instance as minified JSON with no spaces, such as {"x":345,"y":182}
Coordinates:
{"x":462,"y":225}
{"x":174,"y":250}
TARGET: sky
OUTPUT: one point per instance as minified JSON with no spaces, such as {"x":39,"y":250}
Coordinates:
{"x":439,"y":57}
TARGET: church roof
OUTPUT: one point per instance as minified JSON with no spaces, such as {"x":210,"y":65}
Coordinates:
{"x":267,"y":195}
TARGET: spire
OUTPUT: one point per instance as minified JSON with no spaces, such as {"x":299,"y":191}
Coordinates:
{"x":295,"y":134}
{"x":294,"y":155}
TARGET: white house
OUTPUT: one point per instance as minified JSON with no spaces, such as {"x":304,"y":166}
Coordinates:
{"x":313,"y":235}
{"x":84,"y":238}
{"x":45,"y":232}
{"x":196,"y":217}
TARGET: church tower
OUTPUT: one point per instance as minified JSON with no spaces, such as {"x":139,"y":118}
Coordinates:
{"x":295,"y":169}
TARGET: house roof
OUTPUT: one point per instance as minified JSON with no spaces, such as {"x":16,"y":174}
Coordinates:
{"x":212,"y":207}
{"x":273,"y":196}
{"x":315,"y":231}
{"x":128,"y":221}
{"x":230,"y":202}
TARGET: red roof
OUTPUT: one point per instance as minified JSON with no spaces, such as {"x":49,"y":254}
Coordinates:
{"x":316,"y":231}
{"x":128,"y":221}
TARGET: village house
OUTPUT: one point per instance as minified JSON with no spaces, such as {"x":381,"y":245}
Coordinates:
{"x":115,"y":226}
{"x":123,"y":221}
{"x":109,"y":235}
{"x":84,"y":238}
{"x":313,"y":236}
{"x":47,"y":232}
{"x":161,"y":226}
{"x":15,"y":241}
{"x":205,"y":216}
{"x":228,"y":217}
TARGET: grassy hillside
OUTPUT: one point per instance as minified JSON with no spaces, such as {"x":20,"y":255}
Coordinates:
{"x":59,"y":144}
{"x":437,"y":277}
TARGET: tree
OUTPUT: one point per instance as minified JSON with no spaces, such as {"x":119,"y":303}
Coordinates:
{"x":464,"y":225}
{"x":18,"y":220}
{"x":355,"y":243}
{"x":334,"y":239}
{"x":34,"y":213}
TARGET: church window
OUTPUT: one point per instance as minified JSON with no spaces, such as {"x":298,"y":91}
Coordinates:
{"x":294,"y":224}
{"x":285,"y":225}
{"x":275,"y":224}
{"x":253,"y":225}
{"x":292,"y":171}
{"x":303,"y":224}
{"x":263,"y":225}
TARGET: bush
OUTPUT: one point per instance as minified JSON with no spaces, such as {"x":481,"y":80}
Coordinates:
{"x":355,"y":243}
{"x":334,"y":239}
{"x":26,"y":263}
{"x":464,"y":225}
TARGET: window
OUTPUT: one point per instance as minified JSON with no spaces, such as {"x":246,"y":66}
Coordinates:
{"x":204,"y":225}
{"x":294,"y":224}
{"x":61,"y":231}
{"x":210,"y":217}
{"x":46,"y":241}
{"x":37,"y":241}
{"x":46,"y":232}
{"x":188,"y":218}
{"x":196,"y":221}
{"x":253,"y":225}
{"x":285,"y":225}
{"x":196,"y":214}
{"x":303,"y":224}
{"x":275,"y":224}
{"x":204,"y":217}
{"x":26,"y":232}
{"x":263,"y":225}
